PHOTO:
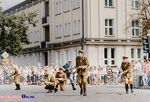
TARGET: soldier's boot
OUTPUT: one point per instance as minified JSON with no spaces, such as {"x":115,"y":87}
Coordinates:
{"x":81,"y":91}
{"x":50,"y":89}
{"x":73,"y":86}
{"x":17,"y":87}
{"x":131,"y":86}
{"x":126,"y":86}
{"x":56,"y":88}
{"x":84,"y":85}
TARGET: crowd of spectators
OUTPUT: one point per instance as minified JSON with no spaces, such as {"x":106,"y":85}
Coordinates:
{"x":106,"y":75}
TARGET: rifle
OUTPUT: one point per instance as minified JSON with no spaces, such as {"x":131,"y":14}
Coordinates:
{"x":67,"y":71}
{"x":56,"y":79}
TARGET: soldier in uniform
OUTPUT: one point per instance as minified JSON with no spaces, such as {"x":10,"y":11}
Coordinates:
{"x":127,"y":73}
{"x":69,"y":72}
{"x":49,"y":80}
{"x":82,"y":65}
{"x":61,"y":77}
{"x":15,"y":71}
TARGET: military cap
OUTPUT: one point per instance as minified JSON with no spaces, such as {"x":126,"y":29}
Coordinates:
{"x":69,"y":61}
{"x":81,"y":51}
{"x":125,"y":57}
{"x":61,"y":68}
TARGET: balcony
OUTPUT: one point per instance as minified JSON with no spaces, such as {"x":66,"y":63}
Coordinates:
{"x":43,"y":44}
{"x":45,"y":21}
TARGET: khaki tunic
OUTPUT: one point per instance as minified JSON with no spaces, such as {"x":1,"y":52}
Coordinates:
{"x":82,"y":73}
{"x":49,"y":79}
{"x":62,"y":82}
{"x":16,"y":71}
{"x":127,"y":72}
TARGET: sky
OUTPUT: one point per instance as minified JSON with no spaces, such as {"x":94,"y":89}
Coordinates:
{"x":6,"y":4}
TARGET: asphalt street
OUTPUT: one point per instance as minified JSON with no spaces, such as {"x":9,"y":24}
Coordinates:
{"x":95,"y":93}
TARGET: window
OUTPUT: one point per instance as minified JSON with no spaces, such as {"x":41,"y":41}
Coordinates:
{"x":38,"y":35}
{"x":57,"y":31}
{"x":56,"y":7}
{"x":109,"y":27}
{"x":59,"y":6}
{"x":35,"y":17}
{"x":65,"y":2}
{"x":112,"y":56}
{"x":60,"y":32}
{"x":139,"y":53}
{"x":37,"y":14}
{"x":74,"y":3}
{"x":105,"y":56}
{"x":78,"y":26}
{"x":58,"y":58}
{"x":67,"y":55}
{"x":65,"y":29}
{"x":35,"y":37}
{"x":135,"y":28}
{"x":132,"y":55}
{"x":31,"y":37}
{"x":109,"y":3}
{"x":135,"y":4}
{"x":74,"y":25}
{"x":78,"y":3}
{"x":68,"y":4}
{"x":69,"y":28}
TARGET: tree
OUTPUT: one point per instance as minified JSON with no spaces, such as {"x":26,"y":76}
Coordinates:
{"x":13,"y":32}
{"x":143,"y":17}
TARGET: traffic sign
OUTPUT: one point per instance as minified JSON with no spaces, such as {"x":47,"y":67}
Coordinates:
{"x":5,"y":61}
{"x":144,"y":46}
{"x":5,"y":54}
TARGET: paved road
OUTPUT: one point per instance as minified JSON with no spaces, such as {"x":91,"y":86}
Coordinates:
{"x":105,"y":93}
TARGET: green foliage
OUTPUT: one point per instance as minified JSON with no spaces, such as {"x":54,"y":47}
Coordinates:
{"x":13,"y":32}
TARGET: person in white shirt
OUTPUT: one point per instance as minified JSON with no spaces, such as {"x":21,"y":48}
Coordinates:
{"x":115,"y":75}
{"x":103,"y":75}
{"x":137,"y":72}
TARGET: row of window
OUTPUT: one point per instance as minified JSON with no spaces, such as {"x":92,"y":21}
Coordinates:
{"x":35,"y":35}
{"x":133,"y":54}
{"x":66,"y":7}
{"x":135,"y":3}
{"x":108,"y":55}
{"x":37,"y":16}
{"x":109,"y":28}
{"x":113,"y":54}
{"x":66,"y":56}
{"x":67,"y":28}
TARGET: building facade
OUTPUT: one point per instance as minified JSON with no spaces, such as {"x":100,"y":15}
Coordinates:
{"x":103,"y":27}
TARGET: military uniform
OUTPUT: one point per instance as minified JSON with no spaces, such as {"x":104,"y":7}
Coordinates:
{"x":61,"y":82}
{"x":83,"y":72}
{"x":127,"y":74}
{"x":49,"y":81}
{"x":16,"y":71}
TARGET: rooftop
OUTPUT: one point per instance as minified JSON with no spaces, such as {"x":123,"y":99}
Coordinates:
{"x":17,"y":6}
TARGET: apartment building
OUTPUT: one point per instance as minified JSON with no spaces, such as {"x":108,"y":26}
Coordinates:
{"x":99,"y":26}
